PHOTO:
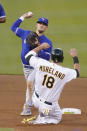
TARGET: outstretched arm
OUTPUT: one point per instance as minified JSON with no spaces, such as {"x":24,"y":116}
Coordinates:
{"x":31,"y":56}
{"x":45,"y":54}
{"x":36,"y":50}
{"x":74,"y":55}
{"x":15,"y":27}
{"x":41,"y":47}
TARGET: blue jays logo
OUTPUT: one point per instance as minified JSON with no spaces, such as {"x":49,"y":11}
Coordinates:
{"x":43,"y":19}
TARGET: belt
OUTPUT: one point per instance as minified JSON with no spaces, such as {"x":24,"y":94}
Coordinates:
{"x":27,"y":66}
{"x":46,"y":102}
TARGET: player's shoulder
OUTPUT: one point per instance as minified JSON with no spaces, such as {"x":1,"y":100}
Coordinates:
{"x":26,"y":32}
{"x":61,"y":68}
{"x":67,"y":70}
{"x":58,"y":67}
{"x":41,"y":61}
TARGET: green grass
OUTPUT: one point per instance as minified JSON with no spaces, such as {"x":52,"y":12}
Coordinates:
{"x":6,"y":129}
{"x":67,"y":29}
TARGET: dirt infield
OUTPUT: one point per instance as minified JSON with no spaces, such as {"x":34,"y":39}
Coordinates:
{"x":12,"y":96}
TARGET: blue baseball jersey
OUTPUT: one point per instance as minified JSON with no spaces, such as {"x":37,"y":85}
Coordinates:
{"x":2,"y":12}
{"x":45,"y":54}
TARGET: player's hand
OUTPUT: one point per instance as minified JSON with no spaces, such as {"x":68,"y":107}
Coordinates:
{"x":28,"y":15}
{"x":73,"y":52}
{"x":45,"y":45}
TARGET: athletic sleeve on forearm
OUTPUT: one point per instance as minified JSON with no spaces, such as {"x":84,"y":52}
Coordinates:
{"x":2,"y":12}
{"x":15,"y":28}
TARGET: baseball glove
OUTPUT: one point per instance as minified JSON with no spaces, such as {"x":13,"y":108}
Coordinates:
{"x":33,"y":39}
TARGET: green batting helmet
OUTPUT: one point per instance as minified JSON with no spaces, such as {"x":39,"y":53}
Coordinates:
{"x":57,"y":55}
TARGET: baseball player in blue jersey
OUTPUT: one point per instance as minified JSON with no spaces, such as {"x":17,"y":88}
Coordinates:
{"x":2,"y":14}
{"x":41,"y":27}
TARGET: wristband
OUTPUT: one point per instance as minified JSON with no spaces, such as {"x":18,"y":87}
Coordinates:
{"x":75,"y":59}
{"x":22,"y":18}
{"x":77,"y":73}
{"x":30,"y":53}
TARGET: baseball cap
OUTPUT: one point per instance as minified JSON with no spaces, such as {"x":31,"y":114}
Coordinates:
{"x":43,"y":20}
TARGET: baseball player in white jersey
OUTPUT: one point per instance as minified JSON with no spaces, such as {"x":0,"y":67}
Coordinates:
{"x":49,"y":79}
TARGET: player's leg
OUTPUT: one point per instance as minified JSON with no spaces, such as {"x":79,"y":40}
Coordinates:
{"x":35,"y":101}
{"x":55,"y":114}
{"x":28,"y":103}
{"x":48,"y":114}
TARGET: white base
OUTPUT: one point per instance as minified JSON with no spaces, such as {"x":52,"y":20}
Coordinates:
{"x":71,"y":111}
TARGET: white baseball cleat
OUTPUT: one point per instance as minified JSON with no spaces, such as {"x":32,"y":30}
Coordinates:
{"x":26,"y":112}
{"x":29,"y":120}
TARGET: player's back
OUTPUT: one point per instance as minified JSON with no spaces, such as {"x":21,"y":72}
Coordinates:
{"x":50,"y":79}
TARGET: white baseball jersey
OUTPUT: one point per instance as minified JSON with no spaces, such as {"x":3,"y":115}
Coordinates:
{"x":50,"y":78}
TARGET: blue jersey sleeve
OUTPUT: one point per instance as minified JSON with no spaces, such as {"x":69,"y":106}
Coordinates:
{"x":2,"y":12}
{"x":45,"y":54}
{"x":15,"y":28}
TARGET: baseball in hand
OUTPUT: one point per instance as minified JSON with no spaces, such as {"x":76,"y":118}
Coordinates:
{"x":30,"y":14}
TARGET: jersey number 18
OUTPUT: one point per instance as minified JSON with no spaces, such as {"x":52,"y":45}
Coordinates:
{"x":48,"y":81}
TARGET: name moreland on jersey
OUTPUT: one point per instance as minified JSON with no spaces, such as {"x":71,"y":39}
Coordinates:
{"x":49,"y":78}
{"x":52,"y":71}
